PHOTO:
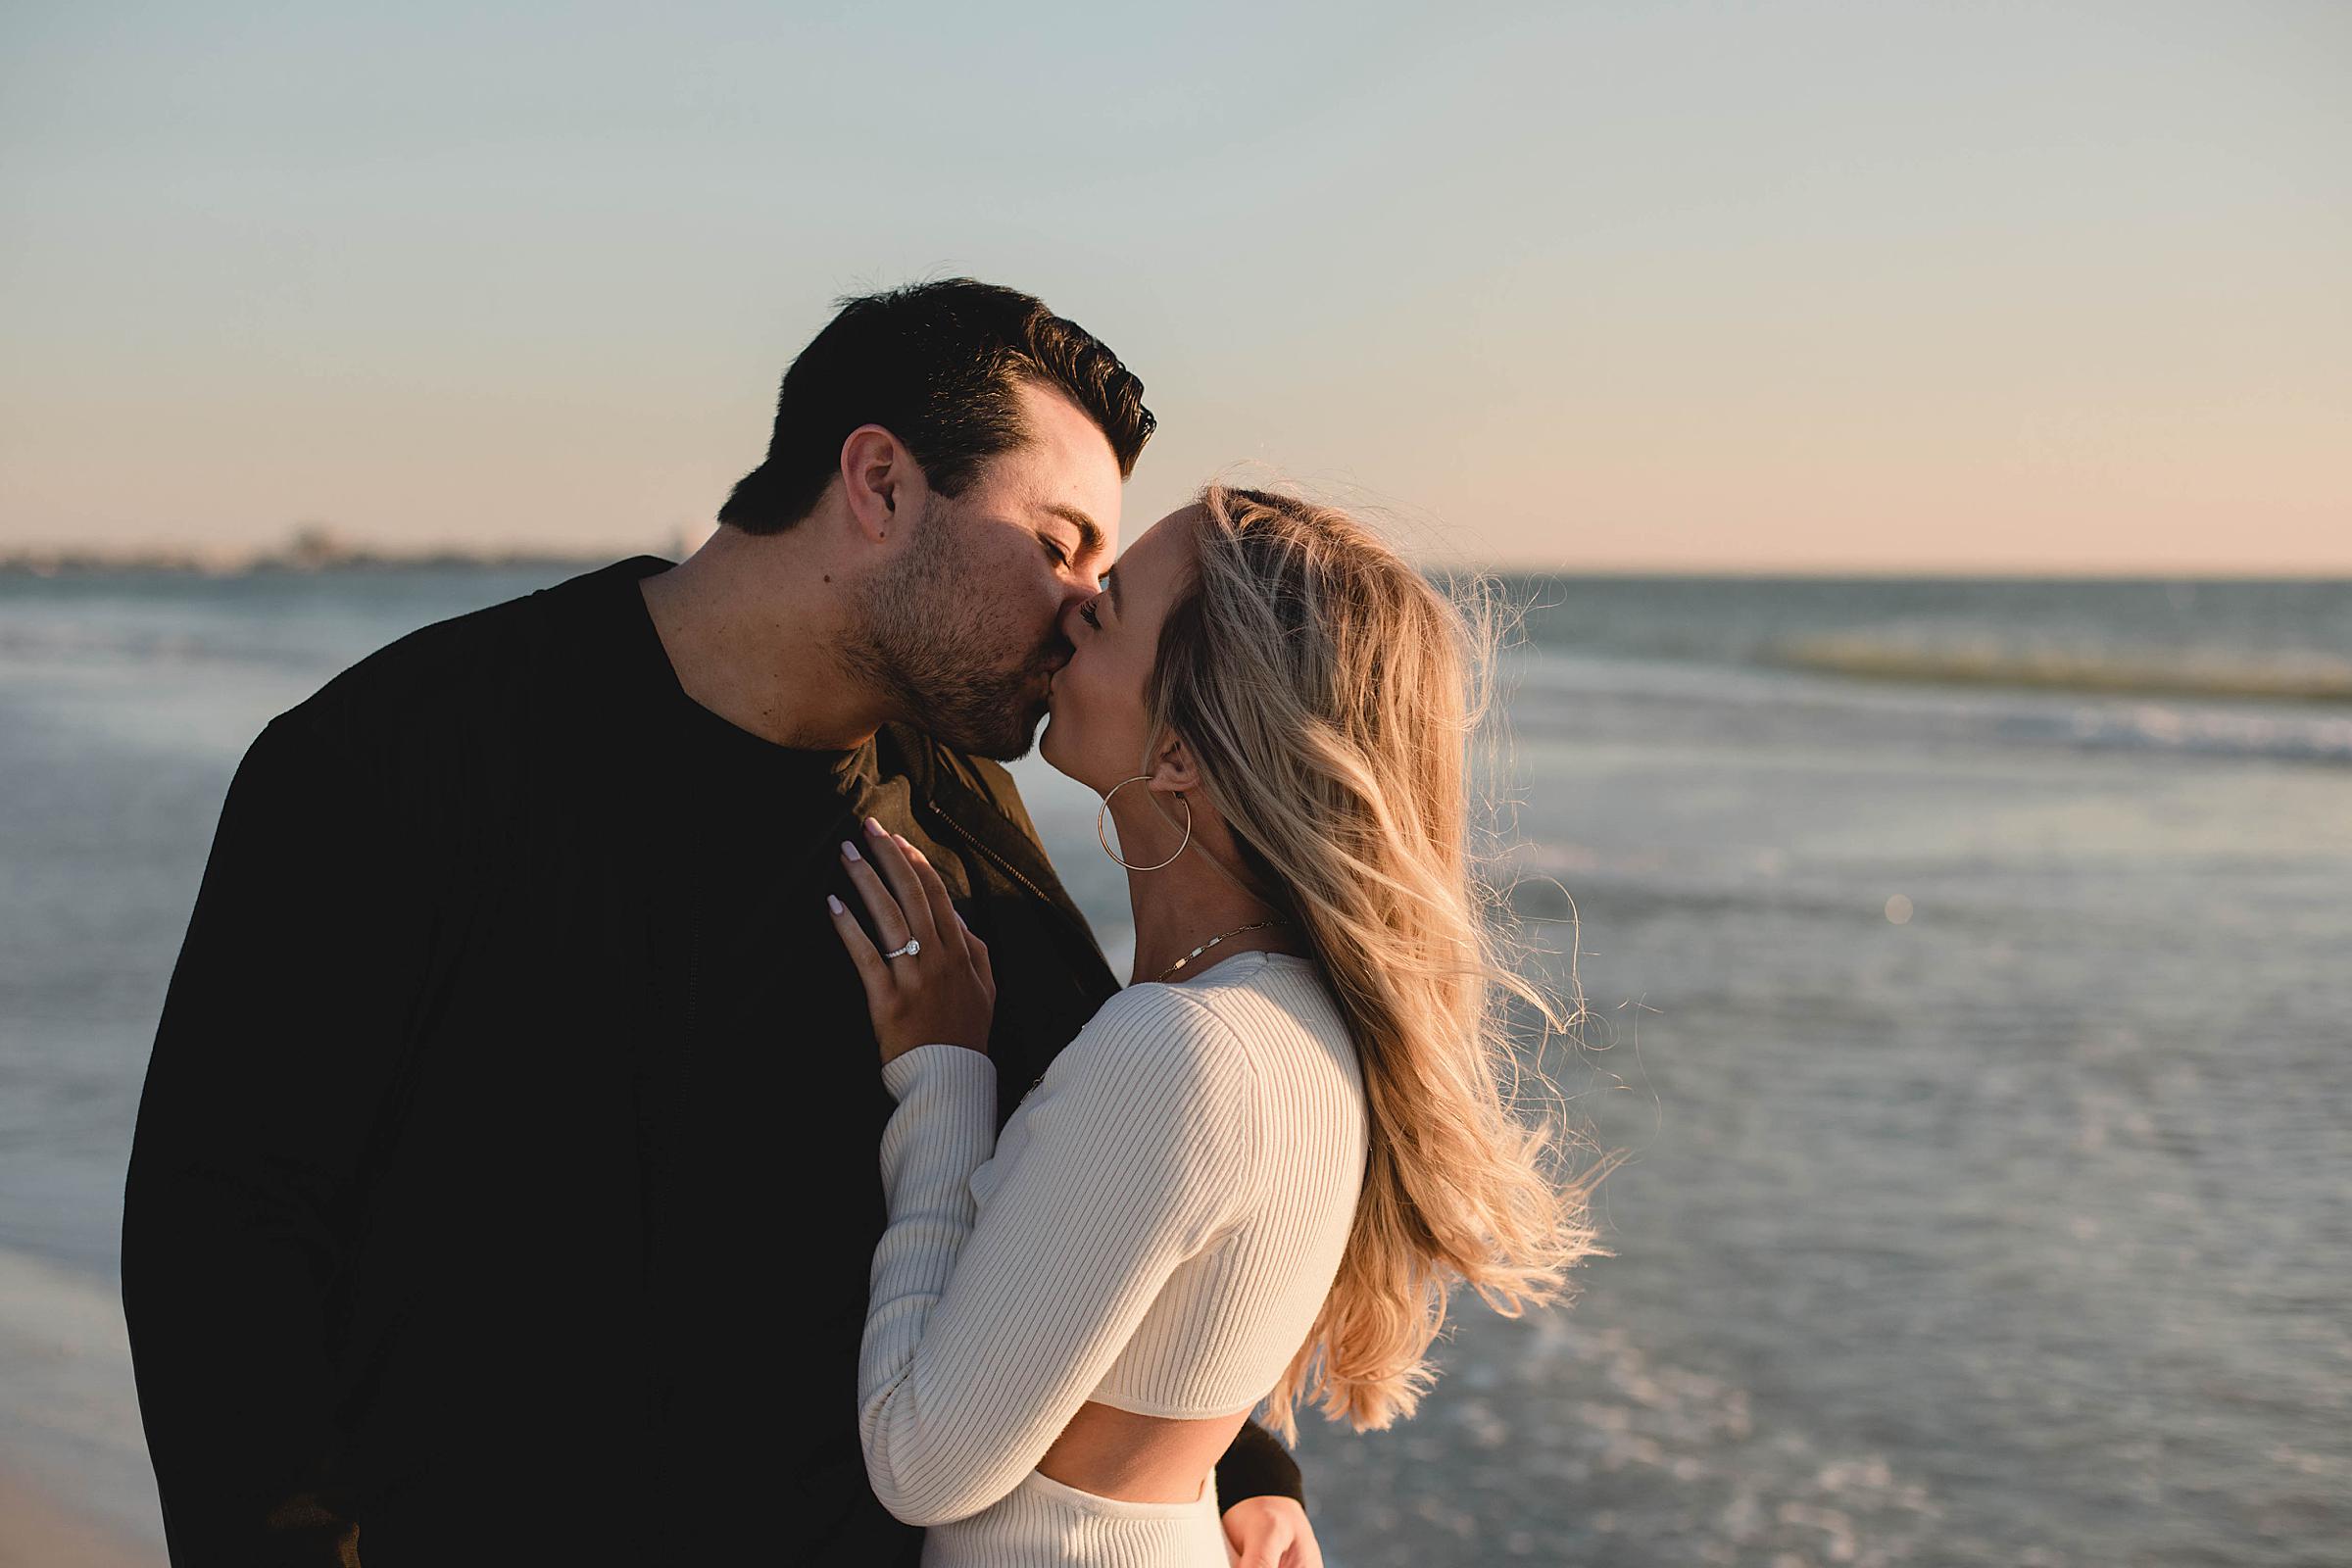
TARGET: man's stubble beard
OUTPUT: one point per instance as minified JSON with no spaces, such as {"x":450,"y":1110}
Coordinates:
{"x":928,"y":644}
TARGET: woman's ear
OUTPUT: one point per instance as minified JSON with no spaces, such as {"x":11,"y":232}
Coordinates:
{"x":1172,"y":771}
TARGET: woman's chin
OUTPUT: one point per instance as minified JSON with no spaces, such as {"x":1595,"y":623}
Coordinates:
{"x":1045,"y":747}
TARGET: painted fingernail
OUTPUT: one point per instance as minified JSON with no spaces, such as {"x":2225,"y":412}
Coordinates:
{"x":873,"y":828}
{"x":850,"y":851}
{"x":834,"y":903}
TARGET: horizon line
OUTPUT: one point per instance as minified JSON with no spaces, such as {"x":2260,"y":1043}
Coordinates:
{"x":321,"y":556}
{"x":317,"y":544}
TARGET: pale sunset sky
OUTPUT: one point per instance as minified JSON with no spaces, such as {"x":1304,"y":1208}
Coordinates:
{"x":1866,"y":288}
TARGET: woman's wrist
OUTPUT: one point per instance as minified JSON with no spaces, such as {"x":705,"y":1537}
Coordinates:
{"x":891,"y":1054}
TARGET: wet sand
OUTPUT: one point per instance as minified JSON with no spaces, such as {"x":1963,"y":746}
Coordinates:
{"x":38,"y":1532}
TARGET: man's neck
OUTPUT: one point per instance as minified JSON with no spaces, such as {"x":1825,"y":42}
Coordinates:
{"x":753,"y":634}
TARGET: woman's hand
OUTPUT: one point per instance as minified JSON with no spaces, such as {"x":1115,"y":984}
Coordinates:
{"x":1270,"y":1533}
{"x":942,"y":994}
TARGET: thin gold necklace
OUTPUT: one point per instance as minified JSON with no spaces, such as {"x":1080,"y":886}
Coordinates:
{"x":1171,"y":969}
{"x":1260,"y":925}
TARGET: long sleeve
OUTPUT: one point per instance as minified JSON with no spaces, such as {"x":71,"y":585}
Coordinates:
{"x":990,"y":1325}
{"x":1258,"y":1465}
{"x":273,"y":1062}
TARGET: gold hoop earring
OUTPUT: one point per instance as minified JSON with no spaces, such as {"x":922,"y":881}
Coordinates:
{"x":1102,"y":835}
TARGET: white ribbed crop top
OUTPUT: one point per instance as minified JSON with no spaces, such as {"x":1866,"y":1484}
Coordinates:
{"x":1156,"y":1230}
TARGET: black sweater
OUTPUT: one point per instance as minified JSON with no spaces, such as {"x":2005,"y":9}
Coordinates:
{"x":504,"y":1184}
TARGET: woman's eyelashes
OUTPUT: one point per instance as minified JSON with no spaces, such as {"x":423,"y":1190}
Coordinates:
{"x":1086,"y":612}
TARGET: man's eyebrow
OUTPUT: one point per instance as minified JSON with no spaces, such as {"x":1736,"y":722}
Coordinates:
{"x":1089,"y":537}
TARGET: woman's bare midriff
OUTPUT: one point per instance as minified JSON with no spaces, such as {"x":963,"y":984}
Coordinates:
{"x":1138,"y":1458}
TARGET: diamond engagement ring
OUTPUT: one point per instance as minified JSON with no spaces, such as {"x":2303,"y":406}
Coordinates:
{"x":911,"y":948}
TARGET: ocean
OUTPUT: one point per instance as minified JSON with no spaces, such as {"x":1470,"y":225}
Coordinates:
{"x":1967,"y":969}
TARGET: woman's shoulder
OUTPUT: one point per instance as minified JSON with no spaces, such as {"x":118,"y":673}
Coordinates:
{"x":1155,"y":1030}
{"x":1247,"y":1067}
{"x":1219,"y":1036}
{"x":1269,"y":1000}
{"x":1268,"y":1019}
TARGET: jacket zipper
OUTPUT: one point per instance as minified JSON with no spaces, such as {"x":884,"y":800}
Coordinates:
{"x":1012,"y":871}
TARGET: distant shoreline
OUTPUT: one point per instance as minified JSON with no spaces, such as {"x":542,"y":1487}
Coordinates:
{"x":312,"y":547}
{"x":58,"y":563}
{"x":307,"y":552}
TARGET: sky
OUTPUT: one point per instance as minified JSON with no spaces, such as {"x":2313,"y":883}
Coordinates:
{"x":2043,"y":287}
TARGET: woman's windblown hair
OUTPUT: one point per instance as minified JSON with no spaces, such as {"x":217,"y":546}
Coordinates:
{"x":1330,"y":695}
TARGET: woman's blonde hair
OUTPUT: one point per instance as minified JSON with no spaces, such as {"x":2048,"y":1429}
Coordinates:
{"x":1330,"y":694}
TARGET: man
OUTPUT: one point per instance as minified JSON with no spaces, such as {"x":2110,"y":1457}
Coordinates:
{"x":506,"y":1181}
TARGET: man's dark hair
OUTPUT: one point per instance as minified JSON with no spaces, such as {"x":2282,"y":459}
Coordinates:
{"x":938,"y":366}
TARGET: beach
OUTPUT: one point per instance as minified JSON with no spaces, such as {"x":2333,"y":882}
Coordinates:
{"x":35,"y":1533}
{"x":1963,"y":966}
{"x":75,"y":1488}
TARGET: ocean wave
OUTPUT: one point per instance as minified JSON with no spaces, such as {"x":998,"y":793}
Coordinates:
{"x":2282,"y":677}
{"x":1552,"y":695}
{"x":2173,"y":726}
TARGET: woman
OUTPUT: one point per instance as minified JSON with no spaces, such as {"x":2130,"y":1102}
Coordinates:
{"x":1255,"y":1173}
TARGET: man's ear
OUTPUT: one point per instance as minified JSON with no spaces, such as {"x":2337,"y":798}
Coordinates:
{"x":874,"y":470}
{"x":1172,"y":769}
